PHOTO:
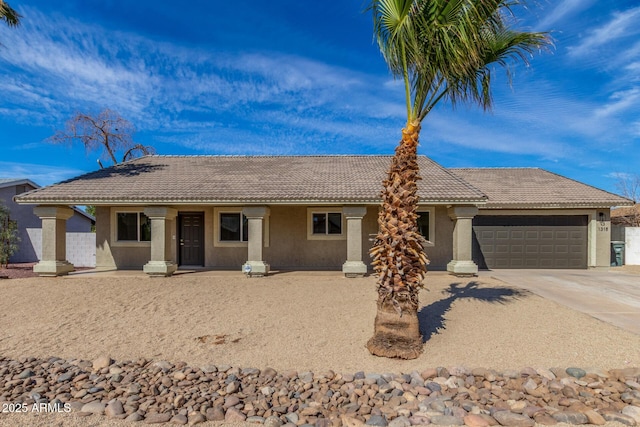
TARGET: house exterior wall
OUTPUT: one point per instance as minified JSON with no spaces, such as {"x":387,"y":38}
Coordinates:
{"x":286,"y":245}
{"x":114,"y":255}
{"x":30,"y":246}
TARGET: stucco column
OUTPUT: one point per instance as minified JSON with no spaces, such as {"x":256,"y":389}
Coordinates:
{"x":54,"y":240}
{"x":462,"y":262}
{"x":255,"y":216}
{"x":354,"y":267}
{"x":162,"y":218}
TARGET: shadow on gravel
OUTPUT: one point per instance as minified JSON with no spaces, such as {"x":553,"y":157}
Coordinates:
{"x":431,"y":317}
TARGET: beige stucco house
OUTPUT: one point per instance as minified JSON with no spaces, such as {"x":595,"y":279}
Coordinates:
{"x":256,"y":213}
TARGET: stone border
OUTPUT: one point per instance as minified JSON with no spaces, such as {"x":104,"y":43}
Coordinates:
{"x":159,"y":391}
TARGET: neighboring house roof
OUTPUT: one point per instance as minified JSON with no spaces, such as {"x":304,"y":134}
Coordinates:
{"x":629,"y":216}
{"x":249,"y":180}
{"x":535,"y":188}
{"x":10,"y":182}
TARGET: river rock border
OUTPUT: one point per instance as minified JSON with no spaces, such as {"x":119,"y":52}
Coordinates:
{"x":159,"y":391}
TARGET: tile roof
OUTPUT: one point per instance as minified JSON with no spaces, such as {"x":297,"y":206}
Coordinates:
{"x":249,"y":180}
{"x":533,"y":187}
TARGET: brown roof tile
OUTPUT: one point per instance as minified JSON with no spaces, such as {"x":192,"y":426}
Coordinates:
{"x":249,"y":179}
{"x":533,"y":187}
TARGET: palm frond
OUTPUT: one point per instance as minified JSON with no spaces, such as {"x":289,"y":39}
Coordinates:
{"x":9,"y":15}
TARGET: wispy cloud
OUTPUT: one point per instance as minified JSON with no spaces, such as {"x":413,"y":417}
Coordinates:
{"x":167,"y":86}
{"x":40,"y":174}
{"x":619,"y":102}
{"x":563,"y":9}
{"x":621,"y":25}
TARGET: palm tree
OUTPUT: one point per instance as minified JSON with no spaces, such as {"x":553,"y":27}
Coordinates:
{"x":442,"y":50}
{"x":7,"y":14}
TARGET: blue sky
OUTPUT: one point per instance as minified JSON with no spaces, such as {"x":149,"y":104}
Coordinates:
{"x":304,"y":77}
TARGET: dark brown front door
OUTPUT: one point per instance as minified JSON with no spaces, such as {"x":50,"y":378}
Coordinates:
{"x":191,"y":238}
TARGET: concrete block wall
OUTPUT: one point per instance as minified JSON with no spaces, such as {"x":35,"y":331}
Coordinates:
{"x":632,"y":246}
{"x":81,"y":247}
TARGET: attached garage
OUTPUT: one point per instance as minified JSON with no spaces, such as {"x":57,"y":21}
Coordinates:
{"x":530,"y":241}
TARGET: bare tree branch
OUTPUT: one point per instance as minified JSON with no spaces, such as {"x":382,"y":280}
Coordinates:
{"x":107,"y":131}
{"x":629,"y":186}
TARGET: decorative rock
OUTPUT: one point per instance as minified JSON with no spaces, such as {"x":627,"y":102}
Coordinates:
{"x":570,"y":417}
{"x":179,"y":419}
{"x":447,"y":420}
{"x":134,"y":417}
{"x":545,"y":420}
{"x":95,"y":407}
{"x":508,"y":418}
{"x":349,"y":421}
{"x":473,"y":420}
{"x":215,"y":414}
{"x":26,"y":374}
{"x":377,"y":420}
{"x":196,"y":418}
{"x":234,"y":415}
{"x":576,"y":372}
{"x":157,"y":418}
{"x":255,"y":419}
{"x":400,"y":422}
{"x":65,"y":377}
{"x":274,"y":421}
{"x":620,"y":418}
{"x":232,"y":387}
{"x":595,"y":418}
{"x":633,"y":412}
{"x":101,"y":363}
{"x":231,"y":401}
{"x":114,"y":409}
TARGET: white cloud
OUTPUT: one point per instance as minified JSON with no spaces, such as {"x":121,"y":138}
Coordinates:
{"x":40,"y":174}
{"x":563,"y":9}
{"x":65,"y":66}
{"x":620,"y":102}
{"x":622,"y":24}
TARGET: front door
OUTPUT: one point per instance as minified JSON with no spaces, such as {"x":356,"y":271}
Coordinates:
{"x":191,"y":238}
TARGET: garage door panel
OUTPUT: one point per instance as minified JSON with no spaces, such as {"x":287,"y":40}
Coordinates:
{"x":517,"y":235}
{"x":546,"y":235}
{"x":531,"y":241}
{"x":502,"y":235}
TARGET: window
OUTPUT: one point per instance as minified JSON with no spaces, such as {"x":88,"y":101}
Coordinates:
{"x":423,"y":224}
{"x":327,"y":223}
{"x":21,"y":189}
{"x":133,"y":227}
{"x":234,"y":227}
{"x":426,"y":225}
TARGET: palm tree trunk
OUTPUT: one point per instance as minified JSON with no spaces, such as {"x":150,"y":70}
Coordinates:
{"x":399,"y":258}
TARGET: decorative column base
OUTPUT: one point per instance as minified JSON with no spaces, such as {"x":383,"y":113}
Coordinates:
{"x":255,"y":268}
{"x":462,"y":268}
{"x":159,"y":268}
{"x":354,"y":269}
{"x":53,"y":268}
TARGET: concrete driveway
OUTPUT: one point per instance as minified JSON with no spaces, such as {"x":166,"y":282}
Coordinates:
{"x":612,"y":296}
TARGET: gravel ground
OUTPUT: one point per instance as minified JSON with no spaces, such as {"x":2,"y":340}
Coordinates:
{"x":301,"y":321}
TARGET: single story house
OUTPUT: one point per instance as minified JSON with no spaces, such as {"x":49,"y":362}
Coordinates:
{"x":78,"y":227}
{"x":158,"y":213}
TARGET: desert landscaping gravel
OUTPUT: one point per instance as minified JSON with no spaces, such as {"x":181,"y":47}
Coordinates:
{"x":215,"y":347}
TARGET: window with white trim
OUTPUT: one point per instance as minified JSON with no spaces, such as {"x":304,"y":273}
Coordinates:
{"x":133,"y":227}
{"x":234,"y":227}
